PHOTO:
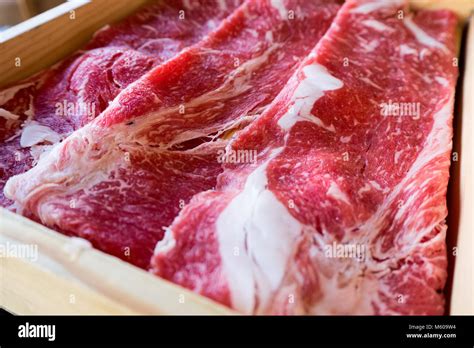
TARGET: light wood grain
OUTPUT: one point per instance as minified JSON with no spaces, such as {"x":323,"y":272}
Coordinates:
{"x":462,"y":299}
{"x":462,"y":8}
{"x":100,"y":283}
{"x":28,"y":289}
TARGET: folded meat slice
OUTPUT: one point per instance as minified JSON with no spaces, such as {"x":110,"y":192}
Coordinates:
{"x":344,"y":211}
{"x":42,"y":110}
{"x":122,"y":178}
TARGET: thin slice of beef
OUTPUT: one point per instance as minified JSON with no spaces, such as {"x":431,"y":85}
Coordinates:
{"x":46,"y":108}
{"x":344,"y":212}
{"x":122,"y":178}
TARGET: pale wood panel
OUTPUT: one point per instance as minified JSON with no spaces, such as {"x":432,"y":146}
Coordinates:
{"x":27,"y":289}
{"x":462,"y":8}
{"x":462,"y":299}
{"x":100,"y":283}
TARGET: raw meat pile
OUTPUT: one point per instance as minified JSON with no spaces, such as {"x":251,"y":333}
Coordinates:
{"x":85,"y":83}
{"x":280,"y":157}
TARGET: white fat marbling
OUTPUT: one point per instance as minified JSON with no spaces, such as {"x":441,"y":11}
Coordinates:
{"x":34,"y":133}
{"x":377,"y":5}
{"x":9,"y":93}
{"x":442,"y":81}
{"x":371,"y":46}
{"x":405,"y":50}
{"x":377,"y":25}
{"x":317,"y":80}
{"x":280,"y":7}
{"x":8,"y":115}
{"x":269,"y":36}
{"x":422,"y":36}
{"x":257,"y":236}
{"x":335,"y":192}
{"x":345,"y":139}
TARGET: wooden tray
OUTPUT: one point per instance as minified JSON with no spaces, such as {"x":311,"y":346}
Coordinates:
{"x":70,"y":277}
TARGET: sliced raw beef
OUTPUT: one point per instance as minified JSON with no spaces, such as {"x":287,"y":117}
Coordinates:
{"x":166,"y":27}
{"x":344,"y":213}
{"x":43,"y":110}
{"x":122,"y":178}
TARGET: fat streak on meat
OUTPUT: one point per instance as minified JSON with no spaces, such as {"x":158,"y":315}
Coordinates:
{"x":337,"y":168}
{"x":122,"y":178}
{"x":90,"y":79}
